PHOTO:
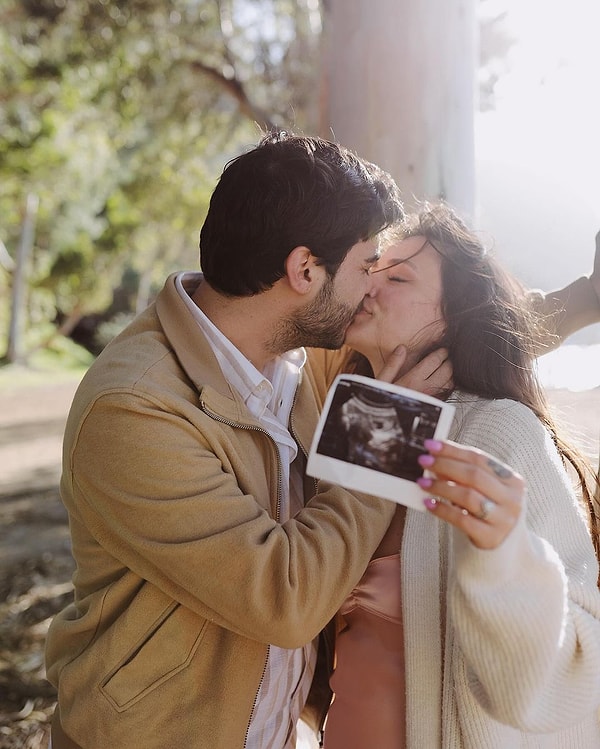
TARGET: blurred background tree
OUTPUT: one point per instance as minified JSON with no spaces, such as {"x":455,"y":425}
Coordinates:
{"x":401,"y":82}
{"x":119,"y":115}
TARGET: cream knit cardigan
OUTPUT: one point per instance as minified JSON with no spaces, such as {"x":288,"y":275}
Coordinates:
{"x":502,"y":647}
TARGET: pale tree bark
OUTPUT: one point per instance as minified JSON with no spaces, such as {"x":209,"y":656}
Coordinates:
{"x":6,"y":260}
{"x":398,"y":87}
{"x":14,"y":348}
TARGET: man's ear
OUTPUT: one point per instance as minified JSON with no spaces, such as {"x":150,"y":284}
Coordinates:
{"x":302,"y":270}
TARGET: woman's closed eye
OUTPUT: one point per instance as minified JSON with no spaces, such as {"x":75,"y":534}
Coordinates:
{"x":402,"y":273}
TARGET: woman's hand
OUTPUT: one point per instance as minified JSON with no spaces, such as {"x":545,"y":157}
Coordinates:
{"x":472,"y":491}
{"x":432,"y":375}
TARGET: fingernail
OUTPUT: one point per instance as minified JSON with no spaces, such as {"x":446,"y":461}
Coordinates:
{"x":433,"y":446}
{"x":424,"y":482}
{"x":430,"y":503}
{"x":426,"y":460}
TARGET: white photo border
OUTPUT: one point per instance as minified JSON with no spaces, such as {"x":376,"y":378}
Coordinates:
{"x":378,"y":471}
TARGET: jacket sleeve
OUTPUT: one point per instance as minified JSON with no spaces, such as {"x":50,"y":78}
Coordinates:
{"x":527,"y":615}
{"x":324,"y":366}
{"x":166,"y":502}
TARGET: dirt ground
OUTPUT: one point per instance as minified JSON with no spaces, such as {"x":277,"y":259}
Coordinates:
{"x":35,"y":561}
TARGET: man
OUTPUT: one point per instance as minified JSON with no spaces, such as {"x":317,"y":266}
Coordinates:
{"x":207,"y":562}
{"x":567,"y":310}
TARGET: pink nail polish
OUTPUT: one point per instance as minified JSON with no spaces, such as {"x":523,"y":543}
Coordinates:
{"x":430,"y":503}
{"x":424,"y":482}
{"x":434,"y":446}
{"x":426,"y":460}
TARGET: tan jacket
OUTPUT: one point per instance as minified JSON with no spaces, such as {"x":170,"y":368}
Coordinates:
{"x":183,"y":573}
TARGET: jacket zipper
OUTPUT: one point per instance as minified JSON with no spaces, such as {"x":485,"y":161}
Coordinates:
{"x":253,"y":428}
{"x":262,"y":677}
{"x":320,"y":730}
{"x":329,"y":656}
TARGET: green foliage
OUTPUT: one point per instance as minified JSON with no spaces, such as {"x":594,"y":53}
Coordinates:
{"x":49,"y":353}
{"x":119,"y":116}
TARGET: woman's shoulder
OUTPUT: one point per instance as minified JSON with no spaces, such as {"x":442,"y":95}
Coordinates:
{"x":475,"y":409}
{"x":501,"y":426}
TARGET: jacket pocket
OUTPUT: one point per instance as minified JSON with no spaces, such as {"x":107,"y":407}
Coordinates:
{"x":166,"y":648}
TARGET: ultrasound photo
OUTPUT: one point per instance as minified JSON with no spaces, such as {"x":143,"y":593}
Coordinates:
{"x":371,"y":434}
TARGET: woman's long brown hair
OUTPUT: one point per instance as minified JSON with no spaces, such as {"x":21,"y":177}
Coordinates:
{"x":492,"y":333}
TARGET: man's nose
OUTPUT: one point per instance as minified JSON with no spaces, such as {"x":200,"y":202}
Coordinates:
{"x":371,"y":285}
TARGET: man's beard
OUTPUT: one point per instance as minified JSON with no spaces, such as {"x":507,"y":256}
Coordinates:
{"x":320,"y":324}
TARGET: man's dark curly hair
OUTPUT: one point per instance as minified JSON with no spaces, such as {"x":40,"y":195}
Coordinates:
{"x":291,"y":191}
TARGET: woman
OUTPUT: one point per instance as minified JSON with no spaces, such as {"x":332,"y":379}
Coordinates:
{"x":477,"y":624}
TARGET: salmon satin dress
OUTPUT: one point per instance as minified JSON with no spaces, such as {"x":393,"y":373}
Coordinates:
{"x":368,"y":711}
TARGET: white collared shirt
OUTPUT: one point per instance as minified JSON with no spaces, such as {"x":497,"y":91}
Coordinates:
{"x":269,"y":397}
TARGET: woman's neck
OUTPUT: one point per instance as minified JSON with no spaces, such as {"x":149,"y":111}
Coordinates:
{"x":379,"y":360}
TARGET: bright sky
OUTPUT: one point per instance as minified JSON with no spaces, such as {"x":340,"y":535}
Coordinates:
{"x":555,"y":62}
{"x":539,"y":152}
{"x":539,"y":161}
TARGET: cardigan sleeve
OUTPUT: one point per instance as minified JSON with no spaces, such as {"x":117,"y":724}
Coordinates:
{"x":527,"y":614}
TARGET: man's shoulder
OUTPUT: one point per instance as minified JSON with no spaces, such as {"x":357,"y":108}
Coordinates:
{"x":141,"y":362}
{"x":322,"y":366}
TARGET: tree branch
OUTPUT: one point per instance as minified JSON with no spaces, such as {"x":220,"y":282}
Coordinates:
{"x":235,"y":88}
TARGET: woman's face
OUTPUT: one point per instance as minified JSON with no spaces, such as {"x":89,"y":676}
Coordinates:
{"x":404,"y":305}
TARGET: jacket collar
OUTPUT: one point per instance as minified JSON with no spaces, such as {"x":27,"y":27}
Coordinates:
{"x":197,"y":359}
{"x":195,"y":354}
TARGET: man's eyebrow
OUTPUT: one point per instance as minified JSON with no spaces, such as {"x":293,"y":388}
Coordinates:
{"x":402,"y":260}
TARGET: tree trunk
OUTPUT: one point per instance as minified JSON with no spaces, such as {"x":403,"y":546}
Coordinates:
{"x":398,"y":87}
{"x":14,"y":349}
